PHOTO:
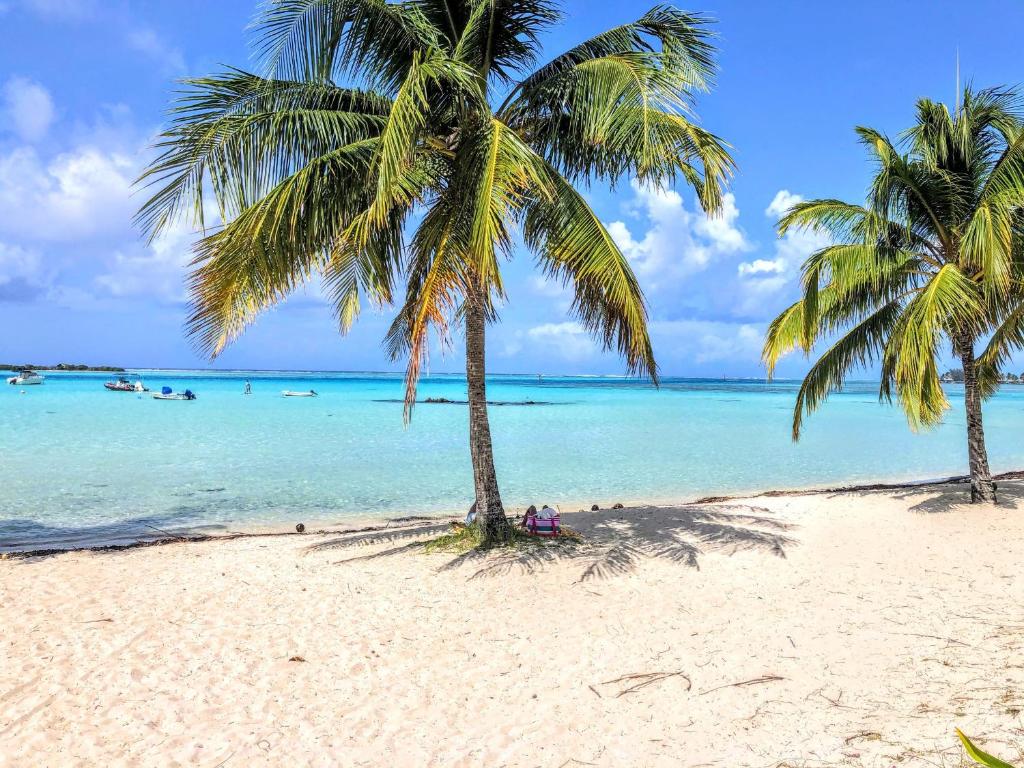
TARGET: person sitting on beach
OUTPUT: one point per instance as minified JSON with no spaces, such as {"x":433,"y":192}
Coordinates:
{"x":471,"y":515}
{"x":531,"y":510}
{"x":547,"y":513}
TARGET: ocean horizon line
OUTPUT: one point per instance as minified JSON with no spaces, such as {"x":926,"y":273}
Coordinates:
{"x":446,"y":374}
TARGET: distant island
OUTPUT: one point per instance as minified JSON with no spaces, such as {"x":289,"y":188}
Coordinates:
{"x":956,"y":376}
{"x":61,"y":367}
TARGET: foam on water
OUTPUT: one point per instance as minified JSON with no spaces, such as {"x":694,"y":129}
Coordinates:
{"x":83,"y":465}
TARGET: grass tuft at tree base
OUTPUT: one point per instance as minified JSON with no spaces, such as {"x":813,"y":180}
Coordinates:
{"x":465,"y":538}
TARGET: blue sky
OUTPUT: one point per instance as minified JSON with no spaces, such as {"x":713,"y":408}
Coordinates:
{"x":83,"y":87}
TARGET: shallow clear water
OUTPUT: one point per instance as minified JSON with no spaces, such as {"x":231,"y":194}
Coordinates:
{"x":84,"y":465}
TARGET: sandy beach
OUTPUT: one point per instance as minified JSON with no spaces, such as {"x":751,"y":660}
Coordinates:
{"x":855,"y":628}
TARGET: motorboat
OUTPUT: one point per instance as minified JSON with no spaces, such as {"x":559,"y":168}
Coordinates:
{"x":166,"y":393}
{"x":124,"y":385}
{"x":291,"y":393}
{"x":26,"y":377}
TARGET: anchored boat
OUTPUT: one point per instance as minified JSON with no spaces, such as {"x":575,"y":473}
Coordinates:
{"x":124,"y":385}
{"x":166,"y":393}
{"x":290,"y":393}
{"x":26,"y":377}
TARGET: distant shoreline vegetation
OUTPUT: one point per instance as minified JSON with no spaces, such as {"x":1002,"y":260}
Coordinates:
{"x":61,"y":367}
{"x":956,"y":376}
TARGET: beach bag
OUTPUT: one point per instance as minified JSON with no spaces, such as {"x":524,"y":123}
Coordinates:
{"x":536,"y":526}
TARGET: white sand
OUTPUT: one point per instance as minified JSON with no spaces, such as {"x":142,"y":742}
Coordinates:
{"x":891,"y":619}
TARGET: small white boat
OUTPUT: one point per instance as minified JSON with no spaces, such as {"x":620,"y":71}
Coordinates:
{"x":166,"y":393}
{"x":124,"y":385}
{"x":290,"y":393}
{"x":26,"y":377}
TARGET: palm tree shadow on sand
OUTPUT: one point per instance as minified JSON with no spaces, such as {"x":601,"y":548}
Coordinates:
{"x":940,"y":498}
{"x":403,"y":538}
{"x":613,"y":542}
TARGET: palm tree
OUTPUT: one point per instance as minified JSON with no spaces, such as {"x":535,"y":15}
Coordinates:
{"x":933,"y":257}
{"x":368,"y":110}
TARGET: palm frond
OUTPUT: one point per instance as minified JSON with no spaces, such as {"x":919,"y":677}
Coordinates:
{"x":364,"y":264}
{"x":785,"y":333}
{"x":841,"y":221}
{"x":500,"y":37}
{"x":408,"y":119}
{"x":241,"y":135}
{"x":575,"y":248}
{"x":276,"y":244}
{"x":948,"y":305}
{"x":1007,"y":338}
{"x":636,"y":82}
{"x":498,"y":173}
{"x":373,"y":41}
{"x":685,"y":39}
{"x":437,"y":280}
{"x":860,"y":346}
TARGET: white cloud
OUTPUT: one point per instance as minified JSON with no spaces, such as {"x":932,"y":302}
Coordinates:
{"x":148,"y":42}
{"x":797,"y":244}
{"x":705,"y":341}
{"x":781,"y":203}
{"x":762,"y":266}
{"x":157,"y":271}
{"x":82,"y":199}
{"x":511,"y":348}
{"x":78,"y":194}
{"x":554,"y":299}
{"x":568,"y":339}
{"x":545,"y":286}
{"x":21,"y":273}
{"x":762,"y":280}
{"x":721,"y":231}
{"x":28,"y":108}
{"x":678,"y":241}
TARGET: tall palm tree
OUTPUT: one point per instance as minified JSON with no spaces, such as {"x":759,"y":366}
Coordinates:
{"x":367,"y":110}
{"x":933,"y":257}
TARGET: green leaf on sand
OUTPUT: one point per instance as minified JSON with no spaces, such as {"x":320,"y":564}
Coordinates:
{"x":981,"y":757}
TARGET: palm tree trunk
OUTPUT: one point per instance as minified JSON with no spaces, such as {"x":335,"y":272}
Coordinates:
{"x":490,"y":514}
{"x":982,"y":487}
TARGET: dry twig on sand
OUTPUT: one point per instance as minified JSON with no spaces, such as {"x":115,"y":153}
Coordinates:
{"x":866,"y":735}
{"x":645,"y":679}
{"x":742,"y":683}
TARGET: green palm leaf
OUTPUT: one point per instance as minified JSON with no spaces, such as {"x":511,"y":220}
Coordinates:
{"x":858,"y":347}
{"x":370,"y":40}
{"x":576,"y":249}
{"x":978,"y":756}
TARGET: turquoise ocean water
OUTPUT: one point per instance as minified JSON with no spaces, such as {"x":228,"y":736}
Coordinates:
{"x":81,"y":465}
